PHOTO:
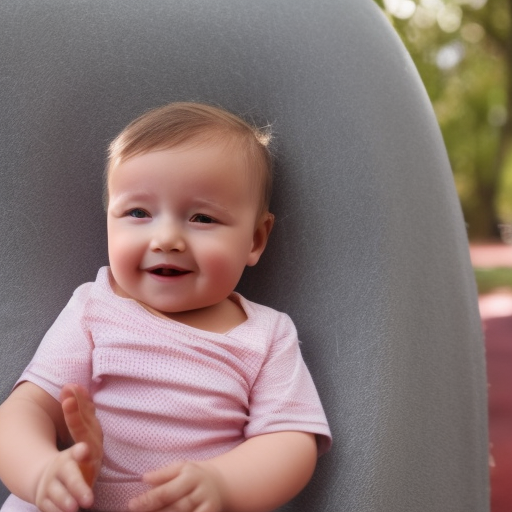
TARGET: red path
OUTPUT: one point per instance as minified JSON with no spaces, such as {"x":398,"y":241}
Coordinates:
{"x":496,"y":313}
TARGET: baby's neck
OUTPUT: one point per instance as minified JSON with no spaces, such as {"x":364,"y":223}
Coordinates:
{"x":219,"y":318}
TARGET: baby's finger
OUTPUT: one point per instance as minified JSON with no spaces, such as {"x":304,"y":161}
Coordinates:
{"x":189,"y":504}
{"x":80,"y":415}
{"x":79,"y":452}
{"x":161,"y":497}
{"x":73,"y":478}
{"x":47,"y":505}
{"x":84,"y":427}
{"x":89,"y":467}
{"x":59,"y":499}
{"x":163,"y":475}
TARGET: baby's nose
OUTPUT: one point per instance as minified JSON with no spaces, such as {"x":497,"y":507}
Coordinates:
{"x":168,"y":237}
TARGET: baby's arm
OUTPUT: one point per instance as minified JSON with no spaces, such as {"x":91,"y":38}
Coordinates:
{"x":30,"y":464}
{"x":259,"y":475}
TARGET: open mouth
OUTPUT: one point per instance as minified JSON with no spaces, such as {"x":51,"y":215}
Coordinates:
{"x":168,"y":272}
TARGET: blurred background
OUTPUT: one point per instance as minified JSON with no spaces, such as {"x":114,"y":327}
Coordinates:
{"x":463,"y":52}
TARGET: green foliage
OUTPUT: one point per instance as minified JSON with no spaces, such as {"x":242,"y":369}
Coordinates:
{"x":490,"y":279}
{"x":463,"y":52}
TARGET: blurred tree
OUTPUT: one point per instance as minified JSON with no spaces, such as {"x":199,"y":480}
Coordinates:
{"x":463,"y":52}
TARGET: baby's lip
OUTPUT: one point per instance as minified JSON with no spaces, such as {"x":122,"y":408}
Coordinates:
{"x":167,"y":270}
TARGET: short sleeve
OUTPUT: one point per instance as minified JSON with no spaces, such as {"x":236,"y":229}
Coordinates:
{"x":65,"y":353}
{"x":284,"y":397}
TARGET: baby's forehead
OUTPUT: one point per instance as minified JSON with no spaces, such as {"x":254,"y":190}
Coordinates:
{"x":235,"y":147}
{"x":200,"y":158}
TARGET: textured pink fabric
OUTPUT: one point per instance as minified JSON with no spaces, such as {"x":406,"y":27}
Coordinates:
{"x":165,"y":391}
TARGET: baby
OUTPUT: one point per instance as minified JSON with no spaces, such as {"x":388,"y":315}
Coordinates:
{"x":186,"y":396}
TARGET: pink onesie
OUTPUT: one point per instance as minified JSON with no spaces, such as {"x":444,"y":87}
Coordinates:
{"x":165,"y":391}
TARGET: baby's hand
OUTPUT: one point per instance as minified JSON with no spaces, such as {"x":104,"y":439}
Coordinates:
{"x":182,"y":487}
{"x":84,"y":427}
{"x":66,"y":482}
{"x":62,"y":486}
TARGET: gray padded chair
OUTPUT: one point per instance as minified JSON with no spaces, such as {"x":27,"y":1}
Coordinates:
{"x":369,"y":254}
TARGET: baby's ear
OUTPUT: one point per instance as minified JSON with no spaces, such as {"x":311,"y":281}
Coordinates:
{"x":260,"y":238}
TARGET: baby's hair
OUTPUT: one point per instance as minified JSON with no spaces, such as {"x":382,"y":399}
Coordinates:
{"x":185,"y":122}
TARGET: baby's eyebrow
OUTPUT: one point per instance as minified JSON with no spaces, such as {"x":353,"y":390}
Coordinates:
{"x":136,"y":195}
{"x":210,"y":204}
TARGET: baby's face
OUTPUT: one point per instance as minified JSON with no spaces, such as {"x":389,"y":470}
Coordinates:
{"x":182,"y":226}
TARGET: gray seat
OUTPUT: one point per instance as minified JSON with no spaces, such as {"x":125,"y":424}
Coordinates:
{"x":369,"y":254}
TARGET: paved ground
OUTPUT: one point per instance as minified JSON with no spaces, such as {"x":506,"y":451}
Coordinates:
{"x":497,"y":255}
{"x":496,"y":313}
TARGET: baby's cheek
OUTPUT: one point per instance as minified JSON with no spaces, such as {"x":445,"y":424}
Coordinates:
{"x":226,"y":265}
{"x":119,"y":262}
{"x":124,"y":249}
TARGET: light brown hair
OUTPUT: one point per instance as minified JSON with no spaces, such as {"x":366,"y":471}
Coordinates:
{"x":183,"y":122}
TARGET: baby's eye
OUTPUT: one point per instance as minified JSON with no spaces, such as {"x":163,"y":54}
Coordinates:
{"x":138,"y":213}
{"x":202,"y":218}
